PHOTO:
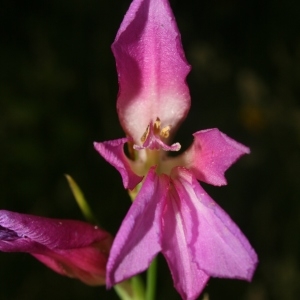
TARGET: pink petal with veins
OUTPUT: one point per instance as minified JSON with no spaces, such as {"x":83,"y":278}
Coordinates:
{"x":139,"y":237}
{"x":219,"y":247}
{"x":178,"y":230}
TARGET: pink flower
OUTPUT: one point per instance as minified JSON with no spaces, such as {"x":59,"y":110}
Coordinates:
{"x":71,"y":248}
{"x":171,"y":214}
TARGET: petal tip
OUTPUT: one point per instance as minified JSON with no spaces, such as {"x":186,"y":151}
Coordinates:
{"x":113,"y":152}
{"x":211,"y":154}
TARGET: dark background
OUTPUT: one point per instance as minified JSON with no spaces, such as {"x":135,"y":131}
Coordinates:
{"x":58,"y":90}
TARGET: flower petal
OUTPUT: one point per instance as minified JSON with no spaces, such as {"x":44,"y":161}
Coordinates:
{"x":220,"y":249}
{"x":151,"y":68}
{"x":113,"y":152}
{"x":178,"y":223}
{"x":27,"y":232}
{"x":72,"y":248}
{"x":87,"y":264}
{"x":211,"y":154}
{"x":138,"y":239}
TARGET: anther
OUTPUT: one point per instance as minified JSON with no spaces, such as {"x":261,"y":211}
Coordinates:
{"x":145,"y":135}
{"x":165,"y":132}
{"x":156,"y":126}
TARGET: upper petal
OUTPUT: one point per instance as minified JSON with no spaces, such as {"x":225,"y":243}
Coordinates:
{"x":220,"y":249}
{"x":211,"y":154}
{"x":113,"y":152}
{"x":139,"y":237}
{"x":178,"y":222}
{"x":151,"y":68}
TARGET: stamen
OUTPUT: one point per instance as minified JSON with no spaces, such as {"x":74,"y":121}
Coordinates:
{"x":156,"y":126}
{"x":145,"y":135}
{"x":152,"y":138}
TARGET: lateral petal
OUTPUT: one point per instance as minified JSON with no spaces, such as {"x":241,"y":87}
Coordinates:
{"x":139,"y":237}
{"x":151,"y":68}
{"x":211,"y":154}
{"x":220,"y":249}
{"x":113,"y":152}
{"x":178,"y":223}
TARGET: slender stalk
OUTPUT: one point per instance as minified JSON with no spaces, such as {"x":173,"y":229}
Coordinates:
{"x":81,"y":201}
{"x":151,"y":280}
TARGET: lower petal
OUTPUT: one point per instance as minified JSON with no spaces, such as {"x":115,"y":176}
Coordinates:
{"x":188,"y":279}
{"x":139,"y":237}
{"x":220,"y":249}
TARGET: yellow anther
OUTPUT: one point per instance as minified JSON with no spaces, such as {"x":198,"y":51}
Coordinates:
{"x":165,"y":132}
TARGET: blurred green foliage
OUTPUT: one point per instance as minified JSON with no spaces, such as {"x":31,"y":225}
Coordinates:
{"x":58,"y":88}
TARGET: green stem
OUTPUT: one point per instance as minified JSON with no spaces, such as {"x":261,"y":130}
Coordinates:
{"x":151,"y":280}
{"x":131,"y":289}
{"x":124,"y":290}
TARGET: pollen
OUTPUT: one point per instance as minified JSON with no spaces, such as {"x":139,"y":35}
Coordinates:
{"x":165,"y":132}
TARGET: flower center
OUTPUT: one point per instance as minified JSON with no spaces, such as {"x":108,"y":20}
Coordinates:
{"x":152,"y":151}
{"x":157,"y":130}
{"x":152,"y":136}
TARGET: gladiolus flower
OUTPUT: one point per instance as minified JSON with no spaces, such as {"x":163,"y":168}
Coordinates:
{"x":71,"y":248}
{"x":171,"y":213}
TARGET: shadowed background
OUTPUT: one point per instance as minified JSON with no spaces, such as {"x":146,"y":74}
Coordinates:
{"x":58,"y":88}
